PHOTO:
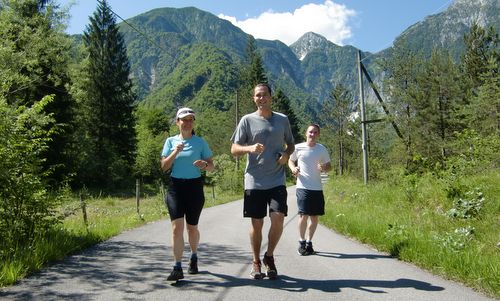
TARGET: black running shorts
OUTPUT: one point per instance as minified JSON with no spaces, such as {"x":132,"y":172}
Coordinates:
{"x":255,"y":202}
{"x":185,"y":197}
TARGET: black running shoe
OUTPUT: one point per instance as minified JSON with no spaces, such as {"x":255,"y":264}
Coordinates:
{"x":193,"y":266}
{"x":271,"y":270}
{"x":302,"y":248}
{"x":176,"y":274}
{"x":309,"y":249}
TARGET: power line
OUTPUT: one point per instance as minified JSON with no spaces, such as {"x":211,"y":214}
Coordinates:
{"x":138,"y":31}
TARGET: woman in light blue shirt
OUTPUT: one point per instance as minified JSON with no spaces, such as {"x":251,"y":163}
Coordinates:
{"x":186,"y":155}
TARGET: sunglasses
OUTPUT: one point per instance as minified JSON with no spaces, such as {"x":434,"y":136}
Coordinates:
{"x":186,"y":112}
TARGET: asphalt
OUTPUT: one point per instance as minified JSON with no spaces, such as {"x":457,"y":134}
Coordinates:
{"x":135,"y":264}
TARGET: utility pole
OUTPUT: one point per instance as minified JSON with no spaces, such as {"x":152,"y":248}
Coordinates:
{"x":236,"y":125}
{"x":363,"y":121}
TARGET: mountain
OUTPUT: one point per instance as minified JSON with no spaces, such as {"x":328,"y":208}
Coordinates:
{"x":325,"y":64}
{"x":157,"y":42}
{"x":189,"y":56}
{"x":309,"y":42}
{"x":447,"y":29}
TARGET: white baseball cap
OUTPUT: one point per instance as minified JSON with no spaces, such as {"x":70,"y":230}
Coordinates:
{"x":183,"y":112}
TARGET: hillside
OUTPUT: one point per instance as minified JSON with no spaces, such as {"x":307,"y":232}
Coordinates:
{"x":163,"y":43}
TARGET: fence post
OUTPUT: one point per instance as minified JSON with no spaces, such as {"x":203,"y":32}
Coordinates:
{"x":137,"y":193}
{"x":84,"y":210}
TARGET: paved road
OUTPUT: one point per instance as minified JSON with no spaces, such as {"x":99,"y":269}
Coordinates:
{"x":135,"y":265}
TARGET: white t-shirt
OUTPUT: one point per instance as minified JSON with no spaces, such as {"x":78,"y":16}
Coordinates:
{"x":307,"y":160}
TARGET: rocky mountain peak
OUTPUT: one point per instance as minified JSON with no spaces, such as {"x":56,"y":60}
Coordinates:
{"x":307,"y":43}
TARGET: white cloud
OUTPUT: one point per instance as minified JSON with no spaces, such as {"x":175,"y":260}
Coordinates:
{"x":328,"y":19}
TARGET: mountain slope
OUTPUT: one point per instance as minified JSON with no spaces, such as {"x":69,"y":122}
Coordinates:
{"x":447,"y":29}
{"x":307,"y":71}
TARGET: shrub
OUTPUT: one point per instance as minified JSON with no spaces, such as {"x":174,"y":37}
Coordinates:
{"x":25,"y":206}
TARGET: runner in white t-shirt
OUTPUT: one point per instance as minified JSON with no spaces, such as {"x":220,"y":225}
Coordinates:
{"x":307,"y":162}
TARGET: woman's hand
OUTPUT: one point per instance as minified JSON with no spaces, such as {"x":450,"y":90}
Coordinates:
{"x":201,"y":164}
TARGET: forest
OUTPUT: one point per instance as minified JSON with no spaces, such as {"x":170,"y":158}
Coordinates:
{"x":71,"y":120}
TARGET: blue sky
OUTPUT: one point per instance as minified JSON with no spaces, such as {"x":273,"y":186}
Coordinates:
{"x":370,"y":25}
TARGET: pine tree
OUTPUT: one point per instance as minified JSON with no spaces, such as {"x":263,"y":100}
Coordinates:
{"x":281,"y":103}
{"x":109,"y":104}
{"x":436,"y":112}
{"x":483,"y":110}
{"x":480,"y":64}
{"x":252,"y":73}
{"x":403,"y":91}
{"x":481,"y":45}
{"x":335,"y":115}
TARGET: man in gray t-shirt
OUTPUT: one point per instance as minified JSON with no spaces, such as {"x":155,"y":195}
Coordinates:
{"x":266,"y":138}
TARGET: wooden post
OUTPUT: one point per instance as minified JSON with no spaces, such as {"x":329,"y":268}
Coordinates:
{"x":84,"y":210}
{"x":137,"y":193}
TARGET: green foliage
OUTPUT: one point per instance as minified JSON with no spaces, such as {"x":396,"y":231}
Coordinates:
{"x":450,"y":125}
{"x":152,"y":129}
{"x":402,"y":89}
{"x":481,"y":113}
{"x":398,"y":238}
{"x":216,"y":127}
{"x":205,"y":77}
{"x":336,"y":116}
{"x":474,"y":154}
{"x":481,"y":46}
{"x":456,"y":240}
{"x":251,"y":73}
{"x":26,"y":209}
{"x":281,"y":104}
{"x":436,"y":109}
{"x":34,"y":56}
{"x":468,"y":206}
{"x":226,"y":176}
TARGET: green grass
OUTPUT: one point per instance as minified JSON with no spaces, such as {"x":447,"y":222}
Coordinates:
{"x":408,"y":220}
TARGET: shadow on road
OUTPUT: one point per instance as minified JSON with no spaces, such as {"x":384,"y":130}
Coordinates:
{"x":351,"y":256}
{"x":134,"y":267}
{"x":292,"y":284}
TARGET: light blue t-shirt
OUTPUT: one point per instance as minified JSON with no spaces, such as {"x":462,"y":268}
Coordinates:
{"x":262,"y":170}
{"x":195,"y":148}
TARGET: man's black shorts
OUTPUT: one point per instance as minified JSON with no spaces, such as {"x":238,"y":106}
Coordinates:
{"x":310,"y":202}
{"x":255,"y":202}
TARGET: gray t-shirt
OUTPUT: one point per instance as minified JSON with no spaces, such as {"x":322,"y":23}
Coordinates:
{"x":262,"y":170}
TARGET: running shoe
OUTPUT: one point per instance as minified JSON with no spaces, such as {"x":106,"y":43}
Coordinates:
{"x":302,"y":248}
{"x":176,"y":274}
{"x":193,"y":266}
{"x":271,"y":270}
{"x":309,"y":249}
{"x":256,"y":273}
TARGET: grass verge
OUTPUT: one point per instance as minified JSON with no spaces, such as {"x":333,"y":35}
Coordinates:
{"x":412,"y":221}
